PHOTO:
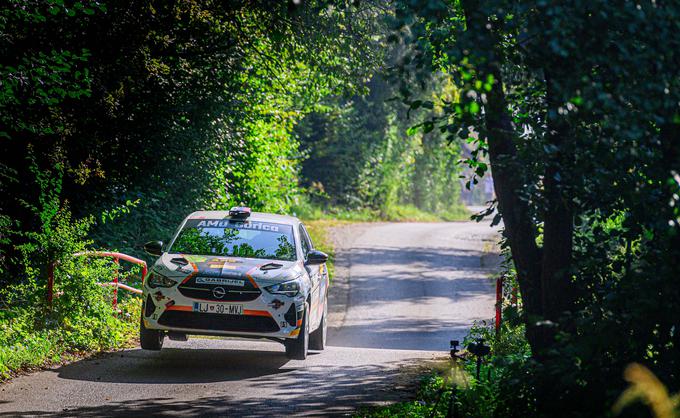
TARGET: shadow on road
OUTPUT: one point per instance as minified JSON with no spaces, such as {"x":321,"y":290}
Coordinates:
{"x":412,"y":274}
{"x":438,"y":258}
{"x":203,"y":407}
{"x":401,"y":333}
{"x":263,"y":389}
{"x":177,"y":365}
{"x":414,"y":298}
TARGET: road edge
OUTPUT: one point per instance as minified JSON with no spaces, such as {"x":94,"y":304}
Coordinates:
{"x":342,"y":238}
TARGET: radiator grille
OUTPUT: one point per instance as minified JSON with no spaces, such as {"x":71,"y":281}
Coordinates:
{"x":213,"y":322}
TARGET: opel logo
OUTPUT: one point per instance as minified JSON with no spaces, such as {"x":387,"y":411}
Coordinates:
{"x":219,"y":292}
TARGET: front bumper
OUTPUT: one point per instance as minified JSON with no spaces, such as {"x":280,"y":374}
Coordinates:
{"x":269,"y":316}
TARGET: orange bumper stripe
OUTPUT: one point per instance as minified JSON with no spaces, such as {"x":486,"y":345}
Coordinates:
{"x":255,"y":313}
{"x":180,"y":308}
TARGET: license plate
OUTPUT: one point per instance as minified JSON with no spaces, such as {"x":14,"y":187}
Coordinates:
{"x":218,"y":308}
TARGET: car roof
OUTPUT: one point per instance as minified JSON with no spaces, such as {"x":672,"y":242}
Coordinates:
{"x":254,"y":216}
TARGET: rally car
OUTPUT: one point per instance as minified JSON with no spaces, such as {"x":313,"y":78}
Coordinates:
{"x":237,"y":273}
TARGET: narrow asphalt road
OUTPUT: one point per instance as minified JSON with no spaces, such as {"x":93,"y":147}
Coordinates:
{"x":402,"y":291}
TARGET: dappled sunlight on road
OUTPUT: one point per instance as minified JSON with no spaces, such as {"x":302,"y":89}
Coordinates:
{"x":231,"y":377}
{"x":416,"y":286}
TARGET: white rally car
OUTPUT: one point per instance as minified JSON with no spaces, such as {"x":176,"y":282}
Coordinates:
{"x":237,"y":273}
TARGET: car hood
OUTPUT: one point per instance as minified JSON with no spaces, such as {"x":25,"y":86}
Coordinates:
{"x":180,"y":266}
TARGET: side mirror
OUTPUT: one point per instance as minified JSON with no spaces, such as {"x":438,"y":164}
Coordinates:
{"x":316,"y":257}
{"x":154,"y":248}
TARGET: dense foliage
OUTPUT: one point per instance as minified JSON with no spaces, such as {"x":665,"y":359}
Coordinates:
{"x":578,"y":107}
{"x":176,"y":106}
{"x":362,"y":156}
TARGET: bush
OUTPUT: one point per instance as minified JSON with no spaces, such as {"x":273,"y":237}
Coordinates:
{"x":81,"y":317}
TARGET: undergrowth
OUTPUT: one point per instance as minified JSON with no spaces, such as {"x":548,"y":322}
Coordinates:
{"x":80,"y":319}
{"x":483,"y":397}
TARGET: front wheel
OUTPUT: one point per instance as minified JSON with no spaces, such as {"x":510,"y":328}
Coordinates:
{"x":150,"y":339}
{"x":297,"y":349}
{"x":317,"y":339}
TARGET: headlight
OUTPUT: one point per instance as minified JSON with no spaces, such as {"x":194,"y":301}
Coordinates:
{"x":158,"y":280}
{"x":290,"y":288}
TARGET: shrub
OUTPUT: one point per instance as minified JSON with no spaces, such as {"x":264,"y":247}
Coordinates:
{"x":81,"y":317}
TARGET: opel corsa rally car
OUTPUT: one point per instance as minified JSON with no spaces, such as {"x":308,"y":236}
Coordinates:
{"x":237,"y":273}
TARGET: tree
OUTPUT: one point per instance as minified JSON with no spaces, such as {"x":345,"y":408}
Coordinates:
{"x":174,"y":105}
{"x":362,"y":154}
{"x":577,"y":107}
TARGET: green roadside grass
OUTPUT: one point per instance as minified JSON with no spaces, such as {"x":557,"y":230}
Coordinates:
{"x":410,"y":213}
{"x":432,"y":395}
{"x":319,"y":231}
{"x":395,"y":213}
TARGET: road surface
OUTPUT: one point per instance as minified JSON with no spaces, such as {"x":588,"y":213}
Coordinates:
{"x":402,"y":291}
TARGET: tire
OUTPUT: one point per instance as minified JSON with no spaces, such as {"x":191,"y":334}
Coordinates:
{"x":317,"y":339}
{"x":296,"y":349}
{"x":150,"y":339}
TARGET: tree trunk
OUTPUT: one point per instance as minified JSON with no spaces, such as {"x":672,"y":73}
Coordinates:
{"x":519,"y":227}
{"x":557,"y":292}
{"x":507,"y":169}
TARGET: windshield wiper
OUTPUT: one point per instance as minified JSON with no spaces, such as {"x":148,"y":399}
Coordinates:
{"x":271,"y":266}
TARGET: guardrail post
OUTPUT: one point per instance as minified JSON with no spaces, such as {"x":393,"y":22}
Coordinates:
{"x":115,"y":285}
{"x":499,"y":304}
{"x":50,"y":284}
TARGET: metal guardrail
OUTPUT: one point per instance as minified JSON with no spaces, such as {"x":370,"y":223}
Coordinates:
{"x":116,"y":285}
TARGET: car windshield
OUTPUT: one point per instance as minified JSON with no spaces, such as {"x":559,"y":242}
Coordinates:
{"x":238,"y":238}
